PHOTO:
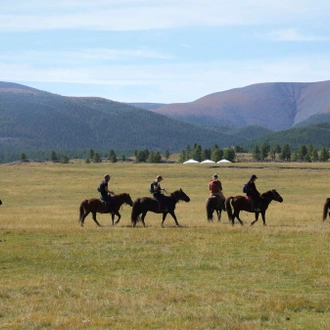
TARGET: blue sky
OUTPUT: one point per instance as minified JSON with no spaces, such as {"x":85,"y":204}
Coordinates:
{"x":162,"y":51}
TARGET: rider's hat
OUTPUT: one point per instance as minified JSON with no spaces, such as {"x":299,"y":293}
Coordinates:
{"x":215,"y":176}
{"x":253,"y":176}
{"x":159,"y":177}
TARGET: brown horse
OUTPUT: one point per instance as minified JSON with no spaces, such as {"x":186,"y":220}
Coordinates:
{"x":95,"y":205}
{"x":214,"y":204}
{"x":326,"y":208}
{"x":241,"y":203}
{"x":145,"y":204}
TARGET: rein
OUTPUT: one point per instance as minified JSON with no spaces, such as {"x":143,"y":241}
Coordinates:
{"x":269,"y":198}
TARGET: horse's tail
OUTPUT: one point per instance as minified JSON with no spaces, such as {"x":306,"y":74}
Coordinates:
{"x":135,"y":212}
{"x":325,"y":208}
{"x":82,"y":210}
{"x":228,"y":207}
{"x":209,"y":211}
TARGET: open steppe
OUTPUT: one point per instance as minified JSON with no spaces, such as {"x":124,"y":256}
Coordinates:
{"x":58,"y":275}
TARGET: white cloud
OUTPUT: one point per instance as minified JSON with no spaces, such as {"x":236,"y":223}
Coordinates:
{"x":145,"y":15}
{"x":89,"y":57}
{"x":292,"y":35}
{"x":173,"y":82}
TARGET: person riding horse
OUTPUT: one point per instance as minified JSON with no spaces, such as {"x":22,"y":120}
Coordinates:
{"x":253,"y":193}
{"x":103,"y":188}
{"x":215,"y":188}
{"x":158,"y":193}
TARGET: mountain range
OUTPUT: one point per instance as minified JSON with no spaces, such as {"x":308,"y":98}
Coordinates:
{"x":277,"y":106}
{"x":32,"y":119}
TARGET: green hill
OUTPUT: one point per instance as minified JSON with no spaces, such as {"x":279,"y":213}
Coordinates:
{"x":34,"y":120}
{"x":317,"y":135}
{"x":31,"y":119}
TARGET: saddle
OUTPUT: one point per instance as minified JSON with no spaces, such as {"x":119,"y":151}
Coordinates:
{"x":161,"y":205}
{"x":250,"y":201}
{"x":106,"y":206}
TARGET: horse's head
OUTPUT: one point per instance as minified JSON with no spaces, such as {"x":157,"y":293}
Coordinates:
{"x":180,"y":195}
{"x":128,"y":199}
{"x":124,"y":198}
{"x":276,"y":196}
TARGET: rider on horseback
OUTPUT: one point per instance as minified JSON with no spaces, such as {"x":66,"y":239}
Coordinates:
{"x":158,"y":193}
{"x":253,"y":193}
{"x":215,"y":188}
{"x":105,"y":192}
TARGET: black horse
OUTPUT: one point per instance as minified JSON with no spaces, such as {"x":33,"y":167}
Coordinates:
{"x":145,"y":204}
{"x":326,"y":208}
{"x":214,"y":203}
{"x":241,"y":203}
{"x":94,"y":205}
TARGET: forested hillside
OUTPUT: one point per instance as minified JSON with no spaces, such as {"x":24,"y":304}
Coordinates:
{"x":317,"y":135}
{"x":31,"y":119}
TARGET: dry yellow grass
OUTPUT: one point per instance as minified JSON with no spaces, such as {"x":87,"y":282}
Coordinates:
{"x":58,"y":275}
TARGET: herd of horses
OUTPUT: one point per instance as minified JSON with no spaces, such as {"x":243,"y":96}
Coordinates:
{"x":141,"y":206}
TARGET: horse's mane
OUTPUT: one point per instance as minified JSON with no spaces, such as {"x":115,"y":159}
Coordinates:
{"x":268,"y":192}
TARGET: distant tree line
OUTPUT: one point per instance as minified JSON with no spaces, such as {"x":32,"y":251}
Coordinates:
{"x":264,"y":152}
{"x":62,"y":156}
{"x":284,"y":153}
{"x":90,"y":156}
{"x":146,"y":156}
{"x":197,"y":153}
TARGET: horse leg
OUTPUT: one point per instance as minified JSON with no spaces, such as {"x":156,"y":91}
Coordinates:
{"x":94,"y":218}
{"x":219,"y":215}
{"x":238,"y":218}
{"x":263,"y":218}
{"x":118,"y":215}
{"x":256,"y":219}
{"x":163,"y":218}
{"x":142,"y":218}
{"x":234,"y":215}
{"x":209,"y":210}
{"x":173,"y":216}
{"x":82,"y":219}
{"x":209,"y":213}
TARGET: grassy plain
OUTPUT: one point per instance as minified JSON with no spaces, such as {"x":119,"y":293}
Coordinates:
{"x":58,"y":275}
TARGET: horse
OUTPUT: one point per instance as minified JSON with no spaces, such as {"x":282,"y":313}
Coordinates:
{"x":326,"y":209}
{"x":145,"y":204}
{"x":241,"y":203}
{"x":95,"y":205}
{"x":214,"y":204}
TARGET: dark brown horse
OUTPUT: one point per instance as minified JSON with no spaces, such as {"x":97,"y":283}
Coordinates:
{"x":214,"y":204}
{"x":326,"y":208}
{"x":145,"y":204}
{"x":241,"y":203}
{"x":94,"y":205}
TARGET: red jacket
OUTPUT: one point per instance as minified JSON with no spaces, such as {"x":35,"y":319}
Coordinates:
{"x":215,"y":186}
